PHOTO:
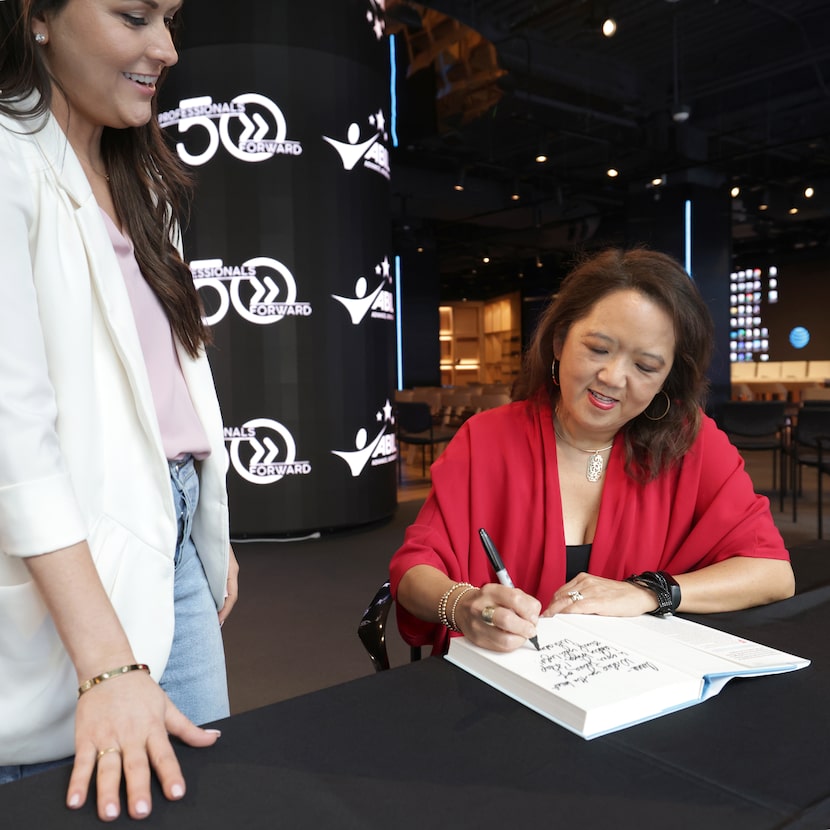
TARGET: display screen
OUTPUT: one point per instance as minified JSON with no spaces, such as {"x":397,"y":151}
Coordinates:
{"x":779,"y":313}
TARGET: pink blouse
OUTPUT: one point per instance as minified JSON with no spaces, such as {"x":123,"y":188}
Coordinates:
{"x":181,"y":430}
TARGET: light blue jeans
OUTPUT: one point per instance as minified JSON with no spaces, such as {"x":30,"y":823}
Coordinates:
{"x":195,"y":677}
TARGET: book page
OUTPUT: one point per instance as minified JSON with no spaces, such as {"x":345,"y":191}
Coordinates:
{"x":571,"y":663}
{"x":582,"y":680}
{"x":746,"y":653}
{"x":597,"y":674}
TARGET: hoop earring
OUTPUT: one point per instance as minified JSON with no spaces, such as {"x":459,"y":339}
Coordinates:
{"x":554,"y":372}
{"x":666,"y":411}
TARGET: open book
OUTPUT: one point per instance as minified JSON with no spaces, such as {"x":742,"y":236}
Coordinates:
{"x":596,"y":675}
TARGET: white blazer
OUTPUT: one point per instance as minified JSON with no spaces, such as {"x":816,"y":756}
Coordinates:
{"x":81,"y":454}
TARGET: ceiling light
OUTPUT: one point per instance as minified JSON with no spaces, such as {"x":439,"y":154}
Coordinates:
{"x":542,"y":153}
{"x":612,"y":172}
{"x":609,"y":27}
{"x":538,"y":261}
{"x":514,"y":193}
{"x":793,"y":210}
{"x":459,"y":182}
{"x":681,"y":113}
{"x":764,"y":203}
{"x":809,"y":192}
{"x":735,"y":192}
{"x":658,"y":180}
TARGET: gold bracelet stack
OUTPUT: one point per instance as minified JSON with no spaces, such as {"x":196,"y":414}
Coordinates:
{"x":107,"y":675}
{"x":442,"y":604}
{"x":455,"y":603}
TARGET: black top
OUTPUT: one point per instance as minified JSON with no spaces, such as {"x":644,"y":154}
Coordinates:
{"x":577,"y":559}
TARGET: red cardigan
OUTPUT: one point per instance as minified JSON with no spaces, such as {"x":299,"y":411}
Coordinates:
{"x":500,"y":473}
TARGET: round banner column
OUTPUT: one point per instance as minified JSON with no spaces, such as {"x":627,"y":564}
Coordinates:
{"x":283,"y":116}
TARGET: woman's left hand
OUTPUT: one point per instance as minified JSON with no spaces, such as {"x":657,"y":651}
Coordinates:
{"x":588,"y":594}
{"x":232,"y":587}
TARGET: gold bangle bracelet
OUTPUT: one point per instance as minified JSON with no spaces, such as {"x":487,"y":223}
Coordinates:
{"x":100,"y":678}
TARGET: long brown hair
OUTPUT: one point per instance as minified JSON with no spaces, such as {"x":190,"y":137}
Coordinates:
{"x":652,"y":446}
{"x":150,"y":187}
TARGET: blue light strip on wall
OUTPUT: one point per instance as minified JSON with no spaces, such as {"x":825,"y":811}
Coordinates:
{"x":393,"y":92}
{"x":688,"y":236}
{"x":398,"y":339}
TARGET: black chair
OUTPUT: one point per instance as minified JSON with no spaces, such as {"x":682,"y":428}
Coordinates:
{"x":372,"y":629}
{"x":415,"y":425}
{"x":759,"y":425}
{"x":810,"y":447}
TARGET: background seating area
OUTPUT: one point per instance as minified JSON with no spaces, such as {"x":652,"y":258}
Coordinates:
{"x":449,"y":407}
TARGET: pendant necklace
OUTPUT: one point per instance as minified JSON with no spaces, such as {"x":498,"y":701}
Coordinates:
{"x":596,"y":464}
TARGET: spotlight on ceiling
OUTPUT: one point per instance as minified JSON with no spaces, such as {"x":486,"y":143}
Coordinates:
{"x":809,"y":192}
{"x":612,"y":172}
{"x":609,"y":27}
{"x":459,"y":182}
{"x":735,"y":192}
{"x":680,"y":114}
{"x":514,"y":192}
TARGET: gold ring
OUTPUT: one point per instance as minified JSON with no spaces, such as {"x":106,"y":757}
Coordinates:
{"x":487,"y":615}
{"x":103,"y":752}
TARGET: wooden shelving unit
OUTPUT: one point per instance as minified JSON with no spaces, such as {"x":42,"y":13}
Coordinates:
{"x":481,"y":342}
{"x":460,"y":334}
{"x":502,"y":339}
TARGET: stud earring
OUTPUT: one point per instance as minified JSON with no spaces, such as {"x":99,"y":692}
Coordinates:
{"x":40,"y":38}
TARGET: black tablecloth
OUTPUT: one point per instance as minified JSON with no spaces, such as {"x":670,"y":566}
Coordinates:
{"x":428,"y":746}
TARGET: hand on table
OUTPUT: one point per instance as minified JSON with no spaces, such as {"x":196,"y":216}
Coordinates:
{"x":588,"y":594}
{"x":121,"y":728}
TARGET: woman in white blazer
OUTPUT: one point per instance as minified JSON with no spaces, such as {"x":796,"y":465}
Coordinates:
{"x":101,"y":468}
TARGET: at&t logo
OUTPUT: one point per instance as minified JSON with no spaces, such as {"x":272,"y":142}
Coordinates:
{"x":262,"y":290}
{"x":263,"y":451}
{"x":382,"y":449}
{"x":380,"y":300}
{"x":250,"y":127}
{"x":371,"y":150}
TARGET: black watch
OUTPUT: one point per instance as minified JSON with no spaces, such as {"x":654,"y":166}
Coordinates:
{"x":665,"y":588}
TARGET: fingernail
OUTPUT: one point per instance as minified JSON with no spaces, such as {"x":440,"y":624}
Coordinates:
{"x":177,"y":790}
{"x":217,"y":732}
{"x":111,"y":811}
{"x":142,"y":808}
{"x":74,"y":800}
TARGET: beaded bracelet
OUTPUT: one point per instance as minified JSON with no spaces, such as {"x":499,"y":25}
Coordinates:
{"x":442,"y":605}
{"x":467,"y":588}
{"x":100,"y":678}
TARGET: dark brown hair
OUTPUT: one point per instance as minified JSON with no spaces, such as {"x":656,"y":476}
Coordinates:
{"x":150,"y":187}
{"x":652,"y":446}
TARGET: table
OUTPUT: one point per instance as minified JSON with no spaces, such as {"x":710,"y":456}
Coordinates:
{"x":428,"y":746}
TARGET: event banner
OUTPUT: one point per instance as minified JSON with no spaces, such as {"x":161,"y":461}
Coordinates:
{"x":283,"y":116}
